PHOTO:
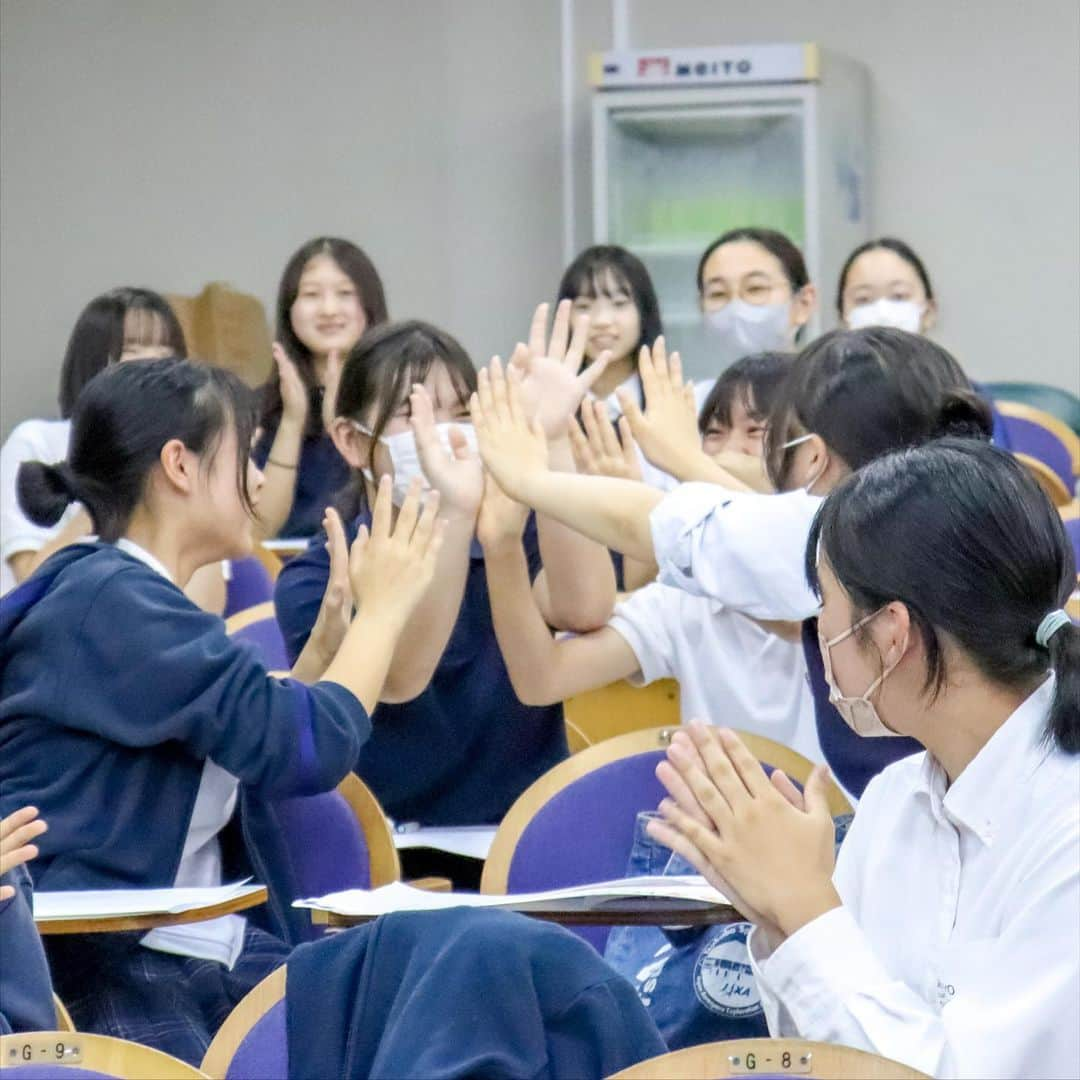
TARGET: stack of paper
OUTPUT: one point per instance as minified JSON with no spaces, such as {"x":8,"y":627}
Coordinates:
{"x":114,"y":903}
{"x":473,"y":841}
{"x":690,"y":890}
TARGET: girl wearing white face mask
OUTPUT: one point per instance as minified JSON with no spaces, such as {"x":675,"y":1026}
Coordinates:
{"x":948,"y":934}
{"x":884,"y":283}
{"x":451,"y":743}
{"x":755,"y":294}
{"x":850,"y":397}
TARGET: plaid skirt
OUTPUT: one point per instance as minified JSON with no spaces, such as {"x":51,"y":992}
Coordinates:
{"x":112,"y":985}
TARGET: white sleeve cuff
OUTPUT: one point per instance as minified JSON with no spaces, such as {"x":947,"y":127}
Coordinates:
{"x":673,"y":523}
{"x":818,"y":967}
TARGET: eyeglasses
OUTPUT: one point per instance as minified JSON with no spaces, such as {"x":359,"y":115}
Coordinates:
{"x":754,"y":292}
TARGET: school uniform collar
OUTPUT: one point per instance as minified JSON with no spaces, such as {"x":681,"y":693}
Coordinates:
{"x":129,"y":547}
{"x":985,"y":793}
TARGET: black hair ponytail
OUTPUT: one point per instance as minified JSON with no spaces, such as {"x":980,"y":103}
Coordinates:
{"x":1064,"y":723}
{"x":44,"y":491}
{"x":122,"y":419}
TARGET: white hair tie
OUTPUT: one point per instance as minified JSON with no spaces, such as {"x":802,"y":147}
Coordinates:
{"x":1050,"y":625}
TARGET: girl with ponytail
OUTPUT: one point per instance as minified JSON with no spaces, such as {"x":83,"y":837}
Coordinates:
{"x":947,"y":936}
{"x":138,"y":727}
{"x":851,"y":396}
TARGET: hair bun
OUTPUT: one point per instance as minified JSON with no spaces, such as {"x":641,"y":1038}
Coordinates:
{"x":964,"y":415}
{"x":45,"y":491}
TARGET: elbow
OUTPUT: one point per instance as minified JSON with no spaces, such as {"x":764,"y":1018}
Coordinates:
{"x":588,"y":614}
{"x":533,"y":692}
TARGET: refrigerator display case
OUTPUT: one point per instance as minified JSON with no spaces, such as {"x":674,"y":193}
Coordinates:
{"x":688,"y":143}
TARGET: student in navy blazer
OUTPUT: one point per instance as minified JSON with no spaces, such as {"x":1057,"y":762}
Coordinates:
{"x":138,"y":726}
{"x":451,"y":742}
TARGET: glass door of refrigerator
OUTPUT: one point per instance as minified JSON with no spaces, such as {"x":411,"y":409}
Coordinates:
{"x":678,"y":177}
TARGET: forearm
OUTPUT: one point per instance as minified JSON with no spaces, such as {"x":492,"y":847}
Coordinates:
{"x":612,"y":512}
{"x":638,"y":574}
{"x":525,"y":641}
{"x":580,"y":580}
{"x":698,"y":466}
{"x":279,"y":478}
{"x":423,"y":641}
{"x":363,"y":661}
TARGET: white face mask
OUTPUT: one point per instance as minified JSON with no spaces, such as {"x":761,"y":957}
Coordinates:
{"x":739,"y":328}
{"x":405,"y":458}
{"x":859,"y":713}
{"x":899,"y":314}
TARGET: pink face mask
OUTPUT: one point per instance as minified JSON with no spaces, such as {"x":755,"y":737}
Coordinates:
{"x":859,"y":713}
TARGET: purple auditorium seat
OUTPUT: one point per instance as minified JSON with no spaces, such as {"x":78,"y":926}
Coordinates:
{"x":264,"y":636}
{"x":249,"y":584}
{"x":1027,"y":437}
{"x":585,"y":831}
{"x":263,"y":1054}
{"x":1072,"y":530}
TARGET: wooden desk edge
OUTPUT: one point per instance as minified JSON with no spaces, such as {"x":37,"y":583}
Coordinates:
{"x":102,"y":924}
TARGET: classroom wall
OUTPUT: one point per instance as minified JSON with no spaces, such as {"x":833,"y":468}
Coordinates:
{"x":174,"y":144}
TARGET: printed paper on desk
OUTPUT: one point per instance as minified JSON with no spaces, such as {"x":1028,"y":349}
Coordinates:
{"x":105,"y":903}
{"x":400,"y":897}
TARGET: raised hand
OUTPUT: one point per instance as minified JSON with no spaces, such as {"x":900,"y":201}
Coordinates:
{"x":457,"y":475}
{"x":513,"y":449}
{"x":392,"y":563}
{"x":667,"y":430}
{"x":750,"y":837}
{"x":336,"y":609}
{"x":294,"y":394}
{"x":553,"y":384}
{"x":598,"y":449}
{"x":17,"y":833}
{"x":502,"y":519}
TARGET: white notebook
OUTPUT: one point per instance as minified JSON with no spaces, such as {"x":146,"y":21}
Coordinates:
{"x":401,"y":897}
{"x":102,"y":903}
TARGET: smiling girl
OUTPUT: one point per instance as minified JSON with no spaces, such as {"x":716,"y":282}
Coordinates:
{"x":330,"y":293}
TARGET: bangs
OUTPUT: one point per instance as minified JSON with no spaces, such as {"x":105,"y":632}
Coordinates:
{"x":601,"y":279}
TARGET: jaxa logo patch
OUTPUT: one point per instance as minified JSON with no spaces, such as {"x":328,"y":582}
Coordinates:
{"x":723,"y":979}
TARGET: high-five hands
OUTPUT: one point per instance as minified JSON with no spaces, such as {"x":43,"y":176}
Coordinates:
{"x":667,"y":430}
{"x":553,"y":383}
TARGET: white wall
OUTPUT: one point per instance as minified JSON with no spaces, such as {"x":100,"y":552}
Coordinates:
{"x":170,"y":144}
{"x":166,"y":144}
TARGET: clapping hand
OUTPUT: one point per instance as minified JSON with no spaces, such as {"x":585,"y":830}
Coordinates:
{"x":17,"y":833}
{"x":457,"y":475}
{"x":513,"y":448}
{"x":553,"y":383}
{"x":601,"y":451}
{"x":667,"y":430}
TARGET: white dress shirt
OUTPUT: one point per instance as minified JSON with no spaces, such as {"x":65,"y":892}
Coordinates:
{"x":745,"y":549}
{"x":730,"y":671}
{"x":957,"y":948}
{"x":219,"y":939}
{"x":32,"y":440}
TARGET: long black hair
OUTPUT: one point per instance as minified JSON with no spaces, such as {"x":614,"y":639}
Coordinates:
{"x":355,"y":264}
{"x":122,"y":419}
{"x":97,"y":338}
{"x":868,"y":392}
{"x":883,"y":243}
{"x":958,"y":532}
{"x":380,"y":372}
{"x":604,"y":267}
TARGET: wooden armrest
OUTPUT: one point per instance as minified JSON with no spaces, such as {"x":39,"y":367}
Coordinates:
{"x":432,"y":884}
